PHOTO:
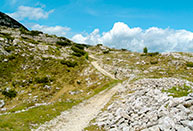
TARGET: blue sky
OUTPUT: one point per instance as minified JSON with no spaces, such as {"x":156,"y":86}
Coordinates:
{"x":82,"y":17}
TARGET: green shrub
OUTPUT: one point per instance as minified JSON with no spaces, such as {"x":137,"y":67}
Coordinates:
{"x":9,"y":48}
{"x":8,"y":36}
{"x":11,"y":57}
{"x":189,"y":64}
{"x":69,"y":63}
{"x":44,"y":79}
{"x":145,"y":50}
{"x":179,"y":91}
{"x":154,"y":62}
{"x":29,"y":40}
{"x":63,"y":43}
{"x":124,"y":49}
{"x":23,"y":31}
{"x":99,"y":45}
{"x":78,"y":52}
{"x":106,"y":52}
{"x":63,"y":38}
{"x":35,"y":33}
{"x":80,"y":46}
{"x":32,"y":33}
{"x":86,"y":56}
{"x":9,"y":93}
{"x":153,"y":54}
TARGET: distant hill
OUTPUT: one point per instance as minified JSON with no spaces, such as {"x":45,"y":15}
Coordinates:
{"x":7,"y":21}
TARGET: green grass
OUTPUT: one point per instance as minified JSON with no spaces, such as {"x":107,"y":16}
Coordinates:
{"x":179,"y":91}
{"x":24,"y":121}
{"x":93,"y":128}
{"x":189,"y":64}
{"x":108,"y":85}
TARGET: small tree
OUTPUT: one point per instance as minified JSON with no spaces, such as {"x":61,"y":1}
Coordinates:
{"x":145,"y":50}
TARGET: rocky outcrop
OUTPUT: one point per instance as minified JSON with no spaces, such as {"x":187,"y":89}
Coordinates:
{"x":147,"y":108}
{"x":7,"y":21}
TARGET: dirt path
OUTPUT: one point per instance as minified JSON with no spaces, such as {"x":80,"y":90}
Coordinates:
{"x":95,"y":64}
{"x":77,"y":118}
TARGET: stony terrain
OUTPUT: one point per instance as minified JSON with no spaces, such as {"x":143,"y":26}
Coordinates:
{"x":144,"y":106}
{"x":52,"y":82}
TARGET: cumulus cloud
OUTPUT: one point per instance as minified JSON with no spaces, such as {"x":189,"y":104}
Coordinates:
{"x":31,"y":13}
{"x":135,"y":39}
{"x":57,"y":30}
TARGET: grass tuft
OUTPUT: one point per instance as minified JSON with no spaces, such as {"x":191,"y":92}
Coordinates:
{"x":179,"y":91}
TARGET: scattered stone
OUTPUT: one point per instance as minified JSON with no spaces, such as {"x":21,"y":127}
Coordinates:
{"x":2,"y":103}
{"x":147,"y":108}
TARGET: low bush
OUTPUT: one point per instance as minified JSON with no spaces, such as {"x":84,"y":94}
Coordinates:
{"x":150,"y":54}
{"x":99,"y":45}
{"x":123,"y":49}
{"x":12,"y":57}
{"x":86,"y":55}
{"x":9,"y":93}
{"x":154,"y":62}
{"x":9,"y":48}
{"x":44,"y":79}
{"x":80,"y":46}
{"x":78,"y":52}
{"x":106,"y":52}
{"x":35,"y":33}
{"x":32,"y":33}
{"x":63,"y":43}
{"x":153,"y":54}
{"x":63,"y":38}
{"x":189,"y":64}
{"x":69,"y":63}
{"x":8,"y":36}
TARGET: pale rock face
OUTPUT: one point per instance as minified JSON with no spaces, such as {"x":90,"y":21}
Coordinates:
{"x":148,"y":108}
{"x":2,"y":103}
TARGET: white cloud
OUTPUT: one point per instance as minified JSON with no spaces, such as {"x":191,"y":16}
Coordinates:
{"x":31,"y":13}
{"x":57,"y":30}
{"x":135,"y":39}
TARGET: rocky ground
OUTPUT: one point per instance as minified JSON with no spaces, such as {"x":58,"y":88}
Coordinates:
{"x":144,"y":106}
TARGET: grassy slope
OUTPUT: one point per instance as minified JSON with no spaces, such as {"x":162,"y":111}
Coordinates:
{"x":27,"y":72}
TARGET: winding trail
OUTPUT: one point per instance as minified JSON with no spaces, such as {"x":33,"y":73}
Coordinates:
{"x":95,"y":64}
{"x":78,"y":117}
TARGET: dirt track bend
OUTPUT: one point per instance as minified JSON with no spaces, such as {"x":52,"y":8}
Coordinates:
{"x":77,"y":118}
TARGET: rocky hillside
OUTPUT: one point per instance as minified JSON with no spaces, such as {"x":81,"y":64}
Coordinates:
{"x":42,"y":75}
{"x":7,"y":21}
{"x":157,"y":94}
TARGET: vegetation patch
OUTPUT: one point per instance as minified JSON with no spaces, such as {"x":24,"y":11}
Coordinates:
{"x":69,"y":63}
{"x":94,"y":128}
{"x":77,"y":51}
{"x":63,"y":43}
{"x":44,"y":79}
{"x":9,"y":93}
{"x":8,"y":36}
{"x":106,"y":52}
{"x":154,"y":62}
{"x":189,"y":64}
{"x":179,"y":91}
{"x":32,"y":33}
